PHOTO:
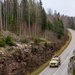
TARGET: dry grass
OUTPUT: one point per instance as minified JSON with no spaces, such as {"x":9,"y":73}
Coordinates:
{"x":63,"y":48}
{"x":37,"y":71}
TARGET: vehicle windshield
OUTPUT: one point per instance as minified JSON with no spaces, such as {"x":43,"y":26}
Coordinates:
{"x":54,"y":59}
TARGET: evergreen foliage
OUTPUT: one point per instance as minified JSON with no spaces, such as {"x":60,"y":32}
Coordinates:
{"x":2,"y":42}
{"x":25,"y":11}
{"x":49,"y":26}
{"x":9,"y":41}
{"x":58,"y":28}
{"x":43,"y":20}
{"x":32,"y":15}
{"x":27,"y":16}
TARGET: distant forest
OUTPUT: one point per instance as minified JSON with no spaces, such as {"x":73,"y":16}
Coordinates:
{"x":30,"y":18}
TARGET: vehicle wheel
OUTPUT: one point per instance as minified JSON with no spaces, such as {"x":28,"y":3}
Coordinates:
{"x":59,"y":63}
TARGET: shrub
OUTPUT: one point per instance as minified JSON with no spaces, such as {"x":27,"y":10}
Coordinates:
{"x":36,"y":41}
{"x":59,"y":36}
{"x":9,"y":41}
{"x":2,"y":42}
{"x":24,"y":40}
{"x":46,"y":44}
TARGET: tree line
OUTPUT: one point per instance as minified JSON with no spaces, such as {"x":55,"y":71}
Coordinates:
{"x":28,"y":17}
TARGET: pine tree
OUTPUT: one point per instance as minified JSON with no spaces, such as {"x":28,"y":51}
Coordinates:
{"x":43,"y":20}
{"x":25,"y":11}
{"x":32,"y":13}
{"x":58,"y":27}
{"x":43,"y":17}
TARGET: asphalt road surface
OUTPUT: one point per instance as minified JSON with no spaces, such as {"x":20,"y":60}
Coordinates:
{"x":65,"y":56}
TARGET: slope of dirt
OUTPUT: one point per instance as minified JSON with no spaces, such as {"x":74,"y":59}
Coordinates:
{"x":26,"y":55}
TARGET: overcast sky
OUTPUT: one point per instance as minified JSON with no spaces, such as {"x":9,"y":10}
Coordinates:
{"x":66,"y":7}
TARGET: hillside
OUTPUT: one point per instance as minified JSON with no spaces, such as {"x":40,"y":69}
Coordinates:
{"x":20,"y":58}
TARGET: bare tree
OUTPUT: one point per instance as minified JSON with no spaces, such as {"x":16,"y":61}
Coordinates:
{"x":0,"y":15}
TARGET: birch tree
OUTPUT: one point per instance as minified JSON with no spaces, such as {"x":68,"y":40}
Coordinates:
{"x":0,"y":15}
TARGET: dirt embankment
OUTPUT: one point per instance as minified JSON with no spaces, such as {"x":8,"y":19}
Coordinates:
{"x":22,"y":58}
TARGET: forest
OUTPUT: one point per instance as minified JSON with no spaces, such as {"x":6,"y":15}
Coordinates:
{"x":28,"y":17}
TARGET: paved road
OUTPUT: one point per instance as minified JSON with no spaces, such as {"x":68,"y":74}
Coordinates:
{"x":65,"y":56}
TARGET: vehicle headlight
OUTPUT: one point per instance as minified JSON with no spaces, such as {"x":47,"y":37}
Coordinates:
{"x":56,"y":63}
{"x":49,"y":63}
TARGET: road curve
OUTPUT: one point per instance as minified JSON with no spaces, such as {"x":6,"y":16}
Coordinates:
{"x":65,"y":56}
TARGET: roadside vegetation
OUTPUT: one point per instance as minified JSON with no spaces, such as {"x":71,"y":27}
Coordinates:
{"x":63,"y":47}
{"x":6,"y":41}
{"x":42,"y":67}
{"x":73,"y":72}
